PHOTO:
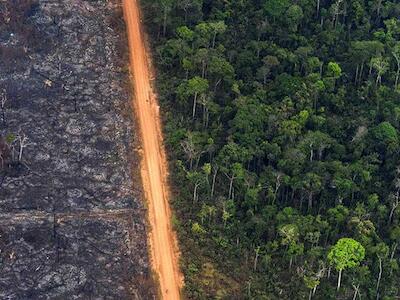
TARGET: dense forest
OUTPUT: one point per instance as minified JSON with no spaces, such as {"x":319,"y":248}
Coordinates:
{"x":282,"y":125}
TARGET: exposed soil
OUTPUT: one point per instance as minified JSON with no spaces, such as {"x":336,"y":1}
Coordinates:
{"x":71,"y":212}
{"x":154,"y":166}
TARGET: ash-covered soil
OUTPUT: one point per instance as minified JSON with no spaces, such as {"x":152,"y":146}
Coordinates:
{"x":72,"y":222}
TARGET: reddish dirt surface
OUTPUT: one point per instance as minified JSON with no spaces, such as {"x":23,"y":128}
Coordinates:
{"x":154,"y":166}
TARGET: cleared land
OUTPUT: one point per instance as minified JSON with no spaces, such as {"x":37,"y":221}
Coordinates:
{"x":71,"y":213}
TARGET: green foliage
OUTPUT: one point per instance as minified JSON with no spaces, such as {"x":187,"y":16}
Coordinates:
{"x":289,"y":233}
{"x":385,"y":133}
{"x":311,"y":282}
{"x":385,"y":137}
{"x":334,"y":70}
{"x":198,"y":230}
{"x":196,"y":85}
{"x":282,"y":123}
{"x":276,"y":8}
{"x":10,"y":138}
{"x":185,"y":33}
{"x":346,"y":253}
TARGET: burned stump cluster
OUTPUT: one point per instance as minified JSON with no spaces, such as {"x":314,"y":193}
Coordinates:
{"x":72,"y":220}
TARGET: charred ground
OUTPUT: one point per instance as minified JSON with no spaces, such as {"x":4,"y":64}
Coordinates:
{"x":71,"y":223}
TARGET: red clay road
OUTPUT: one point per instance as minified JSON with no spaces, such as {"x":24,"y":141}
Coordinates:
{"x":162,"y":239}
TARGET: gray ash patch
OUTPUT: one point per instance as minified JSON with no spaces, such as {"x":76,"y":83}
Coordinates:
{"x":85,"y":257}
{"x":72,"y":215}
{"x":69,"y":101}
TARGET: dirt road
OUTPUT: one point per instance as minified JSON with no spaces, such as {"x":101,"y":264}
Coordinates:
{"x":154,"y":167}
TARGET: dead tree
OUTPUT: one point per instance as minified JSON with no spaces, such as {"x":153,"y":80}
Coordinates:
{"x":394,"y":197}
{"x":3,"y":100}
{"x":23,"y":142}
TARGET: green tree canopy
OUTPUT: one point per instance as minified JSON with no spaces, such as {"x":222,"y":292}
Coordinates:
{"x":345,"y":254}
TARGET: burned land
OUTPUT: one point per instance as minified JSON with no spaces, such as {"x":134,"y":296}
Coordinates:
{"x":72,"y":220}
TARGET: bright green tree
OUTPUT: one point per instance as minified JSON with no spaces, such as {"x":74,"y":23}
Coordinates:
{"x":346,"y":253}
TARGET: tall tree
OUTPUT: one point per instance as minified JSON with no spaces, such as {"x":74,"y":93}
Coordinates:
{"x":346,"y":253}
